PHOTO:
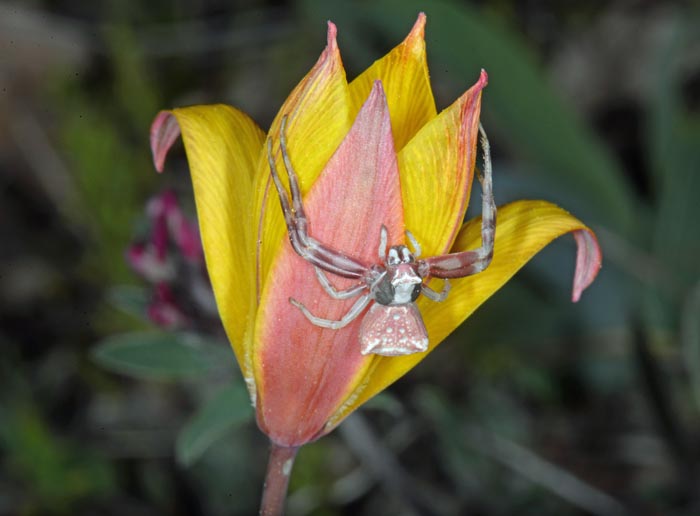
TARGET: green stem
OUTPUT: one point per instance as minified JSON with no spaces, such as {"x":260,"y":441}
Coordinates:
{"x":279,"y":468}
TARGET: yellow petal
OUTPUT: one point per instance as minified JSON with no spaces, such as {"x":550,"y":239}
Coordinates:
{"x":523,"y":229}
{"x":223,"y":145}
{"x":319,"y":119}
{"x":436,"y":172}
{"x":404,"y":75}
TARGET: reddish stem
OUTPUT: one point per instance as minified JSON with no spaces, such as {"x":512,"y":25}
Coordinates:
{"x":279,"y":468}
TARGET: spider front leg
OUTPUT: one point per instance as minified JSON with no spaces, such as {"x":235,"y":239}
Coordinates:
{"x":458,"y":265}
{"x":306,"y":246}
{"x":351,"y":315}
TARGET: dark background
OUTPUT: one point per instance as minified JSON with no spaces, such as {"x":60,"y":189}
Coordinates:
{"x":535,"y":406}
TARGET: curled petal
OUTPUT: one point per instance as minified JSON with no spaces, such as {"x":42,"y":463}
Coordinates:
{"x":523,"y":229}
{"x":588,"y":261}
{"x":164,"y":132}
{"x":222,"y":146}
{"x":404,"y":74}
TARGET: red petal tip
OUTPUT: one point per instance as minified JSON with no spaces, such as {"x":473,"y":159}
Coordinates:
{"x":332,"y":33}
{"x":377,"y":85}
{"x":483,"y":78}
{"x":164,"y":131}
{"x":588,"y":261}
{"x":419,"y":27}
{"x":376,"y":98}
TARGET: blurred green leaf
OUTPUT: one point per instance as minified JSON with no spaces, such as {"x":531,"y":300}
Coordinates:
{"x":462,"y":437}
{"x":674,"y":133}
{"x":56,"y":473}
{"x":157,"y":355}
{"x":112,"y":176}
{"x":227,"y":410}
{"x":525,"y":108}
{"x":690,"y":338}
{"x":385,"y":402}
{"x":674,"y":138}
{"x":129,"y":299}
{"x":92,"y":142}
{"x":134,"y":89}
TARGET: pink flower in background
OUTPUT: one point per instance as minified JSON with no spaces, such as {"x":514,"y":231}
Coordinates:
{"x":171,"y":260}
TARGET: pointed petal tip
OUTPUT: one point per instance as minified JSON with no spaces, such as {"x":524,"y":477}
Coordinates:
{"x":331,"y":54}
{"x":164,"y":131}
{"x":378,"y":86}
{"x":483,"y":78}
{"x":475,"y":90}
{"x":588,"y":261}
{"x":377,"y":97}
{"x":418,"y":30}
{"x":332,"y":35}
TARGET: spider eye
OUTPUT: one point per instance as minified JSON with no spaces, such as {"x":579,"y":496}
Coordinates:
{"x":406,"y":255}
{"x":393,"y":258}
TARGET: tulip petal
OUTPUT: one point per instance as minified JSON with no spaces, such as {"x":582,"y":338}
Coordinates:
{"x":222,"y":146}
{"x":523,"y":229}
{"x":437,"y":169}
{"x":164,"y":132}
{"x":304,"y":372}
{"x":404,"y":74}
{"x":318,"y":112}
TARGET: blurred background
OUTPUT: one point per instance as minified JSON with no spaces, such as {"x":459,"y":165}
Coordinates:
{"x":118,"y":394}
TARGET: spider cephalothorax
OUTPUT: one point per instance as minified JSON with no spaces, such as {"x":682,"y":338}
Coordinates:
{"x":400,"y":283}
{"x":393,"y":325}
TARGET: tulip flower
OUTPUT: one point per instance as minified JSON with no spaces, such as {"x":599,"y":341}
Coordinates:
{"x":368,"y":153}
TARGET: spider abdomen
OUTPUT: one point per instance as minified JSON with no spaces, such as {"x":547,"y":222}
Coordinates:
{"x":393,"y":331}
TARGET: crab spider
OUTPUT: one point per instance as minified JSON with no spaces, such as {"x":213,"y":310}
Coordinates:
{"x":393,"y":325}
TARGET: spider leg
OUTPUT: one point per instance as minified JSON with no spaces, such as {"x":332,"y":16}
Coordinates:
{"x":297,"y":204}
{"x":416,"y":246}
{"x":383,"y":237}
{"x":466,"y":263}
{"x":306,"y":246}
{"x":335,"y":293}
{"x":433,"y":295}
{"x":350,"y":316}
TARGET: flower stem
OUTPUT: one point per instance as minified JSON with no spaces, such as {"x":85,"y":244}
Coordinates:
{"x":279,"y":468}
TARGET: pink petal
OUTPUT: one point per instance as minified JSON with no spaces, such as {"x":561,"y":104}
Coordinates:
{"x":588,"y":261}
{"x":164,"y":131}
{"x":304,"y":372}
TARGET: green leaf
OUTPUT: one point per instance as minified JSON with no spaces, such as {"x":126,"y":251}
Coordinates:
{"x":228,"y":409}
{"x":673,"y":138}
{"x":526,"y":110}
{"x":158,"y":355}
{"x":385,"y":402}
{"x":130,"y":299}
{"x":690,"y":339}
